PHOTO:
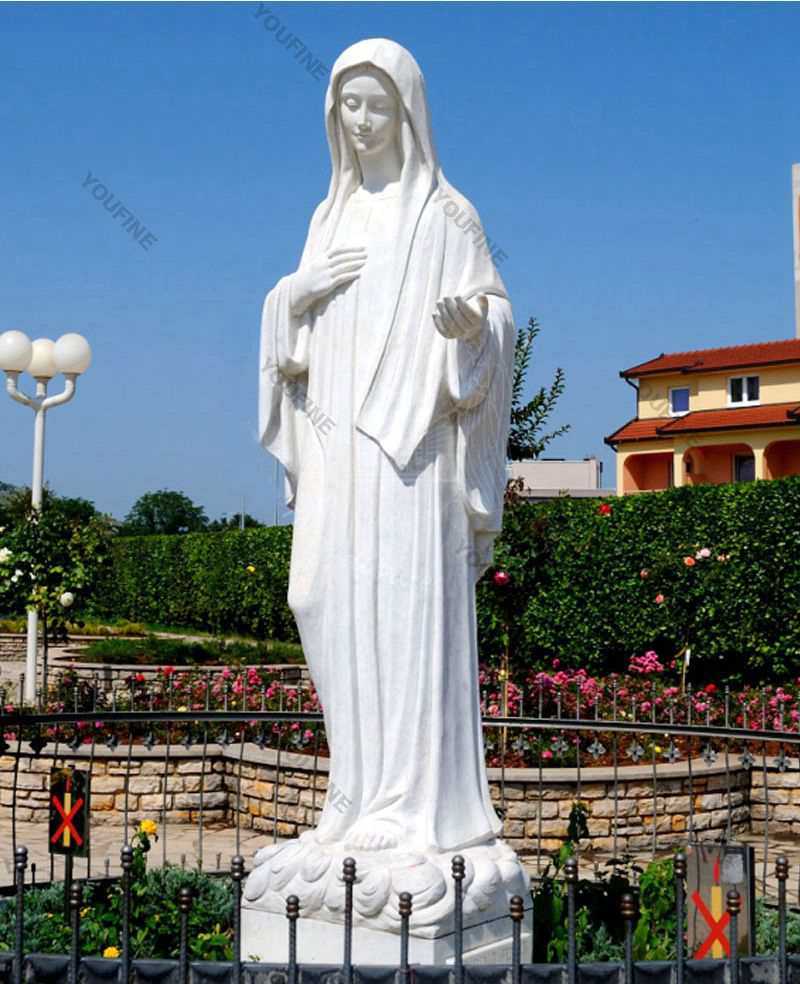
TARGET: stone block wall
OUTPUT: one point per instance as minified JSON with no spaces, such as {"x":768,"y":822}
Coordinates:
{"x":621,"y":814}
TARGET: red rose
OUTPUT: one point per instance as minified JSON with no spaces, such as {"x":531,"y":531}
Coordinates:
{"x":502,"y":578}
{"x":710,"y":688}
{"x":604,"y":509}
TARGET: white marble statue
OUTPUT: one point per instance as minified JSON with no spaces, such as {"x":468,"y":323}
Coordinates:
{"x":386,"y":363}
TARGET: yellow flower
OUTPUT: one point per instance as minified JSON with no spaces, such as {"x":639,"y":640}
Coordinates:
{"x":111,"y":953}
{"x":149,"y":827}
{"x":183,"y":708}
{"x":250,"y":569}
{"x":85,"y":911}
{"x":658,"y":749}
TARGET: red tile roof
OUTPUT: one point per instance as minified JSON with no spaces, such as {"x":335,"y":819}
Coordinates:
{"x":638,"y":430}
{"x":729,"y":357}
{"x":767,"y":415}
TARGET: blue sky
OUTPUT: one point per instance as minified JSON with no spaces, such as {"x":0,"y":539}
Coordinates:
{"x":632,"y":160}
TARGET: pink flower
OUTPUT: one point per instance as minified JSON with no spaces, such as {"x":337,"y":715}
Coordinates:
{"x":502,"y":578}
{"x":659,"y":599}
{"x":547,"y":754}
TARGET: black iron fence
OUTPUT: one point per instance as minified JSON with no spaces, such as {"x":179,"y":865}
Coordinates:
{"x":17,"y":966}
{"x":198,"y":753}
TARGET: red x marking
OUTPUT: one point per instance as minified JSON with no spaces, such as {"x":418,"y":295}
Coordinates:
{"x":717,"y":928}
{"x":66,"y":820}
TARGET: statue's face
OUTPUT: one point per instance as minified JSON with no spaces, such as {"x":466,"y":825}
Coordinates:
{"x":369,"y":111}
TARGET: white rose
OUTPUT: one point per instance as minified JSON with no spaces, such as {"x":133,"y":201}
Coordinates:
{"x":66,"y":599}
{"x":5,"y":555}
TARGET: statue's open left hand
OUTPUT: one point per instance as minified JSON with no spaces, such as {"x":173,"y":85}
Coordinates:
{"x":322,"y":273}
{"x":456,"y":318}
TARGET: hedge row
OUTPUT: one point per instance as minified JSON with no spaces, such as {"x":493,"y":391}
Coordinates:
{"x":233,"y":582}
{"x":716,"y":568}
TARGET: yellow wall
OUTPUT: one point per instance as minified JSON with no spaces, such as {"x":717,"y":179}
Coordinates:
{"x":709,"y":391}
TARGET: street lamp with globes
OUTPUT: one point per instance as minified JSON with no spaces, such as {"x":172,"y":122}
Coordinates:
{"x":43,"y":359}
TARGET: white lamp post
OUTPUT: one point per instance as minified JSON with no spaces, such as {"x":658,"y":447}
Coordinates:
{"x":42,"y":359}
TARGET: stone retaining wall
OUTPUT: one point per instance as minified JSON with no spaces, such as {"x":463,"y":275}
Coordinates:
{"x":536,"y":812}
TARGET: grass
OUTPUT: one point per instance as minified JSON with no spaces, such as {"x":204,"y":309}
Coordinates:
{"x":155,"y":651}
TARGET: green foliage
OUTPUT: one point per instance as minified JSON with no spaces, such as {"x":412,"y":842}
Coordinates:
{"x":767,"y":930}
{"x":232,"y":582}
{"x":155,"y":651}
{"x":525,"y":437}
{"x":585,"y":579}
{"x":654,"y":936}
{"x":233,"y":522}
{"x":15,"y":506}
{"x":576,"y":591}
{"x":154,"y":914}
{"x":599,"y":928}
{"x":52,"y":560}
{"x":164,"y":513}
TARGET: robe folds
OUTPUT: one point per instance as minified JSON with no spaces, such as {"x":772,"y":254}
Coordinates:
{"x":393,"y":442}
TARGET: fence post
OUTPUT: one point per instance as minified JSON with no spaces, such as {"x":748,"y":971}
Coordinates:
{"x":459,"y":872}
{"x":75,"y":903}
{"x":237,"y":874}
{"x":782,"y":874}
{"x":734,"y":906}
{"x":349,"y":877}
{"x":404,"y":908}
{"x":126,"y":859}
{"x":517,"y":911}
{"x":185,"y":899}
{"x":571,"y":878}
{"x":680,"y":905}
{"x":630,"y":914}
{"x":292,"y":912}
{"x":20,"y":864}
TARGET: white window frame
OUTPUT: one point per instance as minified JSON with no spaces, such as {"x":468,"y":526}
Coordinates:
{"x":678,"y":413}
{"x":744,"y":402}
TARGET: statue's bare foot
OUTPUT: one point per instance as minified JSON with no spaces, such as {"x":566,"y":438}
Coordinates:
{"x":373,"y":835}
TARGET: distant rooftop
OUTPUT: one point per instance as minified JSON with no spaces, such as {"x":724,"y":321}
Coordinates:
{"x":727,"y":357}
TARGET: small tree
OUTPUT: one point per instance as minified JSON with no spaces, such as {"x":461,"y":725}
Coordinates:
{"x":525,"y":438}
{"x":164,"y":512}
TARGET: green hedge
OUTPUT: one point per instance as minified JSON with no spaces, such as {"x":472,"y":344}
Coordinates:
{"x":576,"y":593}
{"x":232,"y":582}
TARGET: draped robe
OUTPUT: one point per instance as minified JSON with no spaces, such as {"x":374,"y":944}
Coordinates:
{"x":393,"y":441}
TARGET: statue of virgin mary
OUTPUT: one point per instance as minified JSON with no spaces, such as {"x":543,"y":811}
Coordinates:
{"x":386,"y":363}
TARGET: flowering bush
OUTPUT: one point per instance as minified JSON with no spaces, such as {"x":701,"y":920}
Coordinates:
{"x":49,"y":561}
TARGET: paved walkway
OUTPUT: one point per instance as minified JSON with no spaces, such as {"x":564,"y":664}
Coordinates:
{"x":219,"y":846}
{"x":182,"y":847}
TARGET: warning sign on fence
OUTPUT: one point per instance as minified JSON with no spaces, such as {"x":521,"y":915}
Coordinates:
{"x":69,"y":812}
{"x":713,"y":870}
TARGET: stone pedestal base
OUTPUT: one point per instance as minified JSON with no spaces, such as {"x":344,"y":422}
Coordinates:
{"x":492,"y":875}
{"x":265,"y":937}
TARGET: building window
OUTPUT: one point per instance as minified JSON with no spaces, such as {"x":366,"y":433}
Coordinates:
{"x":744,"y":468}
{"x":678,"y":400}
{"x":743,"y":389}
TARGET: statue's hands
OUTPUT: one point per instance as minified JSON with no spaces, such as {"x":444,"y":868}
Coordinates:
{"x":456,"y":318}
{"x":324,"y":272}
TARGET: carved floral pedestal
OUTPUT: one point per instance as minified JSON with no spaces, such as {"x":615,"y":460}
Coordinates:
{"x":313,"y":872}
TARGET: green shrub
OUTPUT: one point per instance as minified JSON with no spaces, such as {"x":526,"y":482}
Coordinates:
{"x":576,"y":591}
{"x":156,"y":651}
{"x":584,"y":581}
{"x":234,"y":582}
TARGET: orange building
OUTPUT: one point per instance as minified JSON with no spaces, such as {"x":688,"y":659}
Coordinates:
{"x":712,"y":416}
